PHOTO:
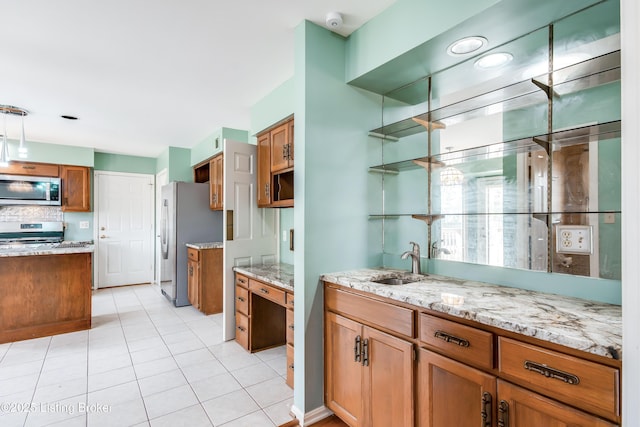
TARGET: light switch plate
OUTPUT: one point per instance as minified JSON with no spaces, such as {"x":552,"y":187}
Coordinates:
{"x":84,"y":224}
{"x":574,"y":239}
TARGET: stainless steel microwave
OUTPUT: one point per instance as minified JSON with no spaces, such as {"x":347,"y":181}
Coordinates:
{"x":29,"y":190}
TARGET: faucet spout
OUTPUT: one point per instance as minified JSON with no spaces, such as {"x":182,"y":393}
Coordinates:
{"x":415,"y":258}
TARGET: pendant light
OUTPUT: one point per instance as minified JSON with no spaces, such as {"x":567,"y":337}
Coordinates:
{"x":22,"y":148}
{"x":4,"y":150}
{"x":451,"y":175}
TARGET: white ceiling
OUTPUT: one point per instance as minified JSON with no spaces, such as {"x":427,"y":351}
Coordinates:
{"x":143,"y":75}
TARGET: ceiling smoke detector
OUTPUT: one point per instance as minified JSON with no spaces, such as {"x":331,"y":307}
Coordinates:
{"x":334,"y":21}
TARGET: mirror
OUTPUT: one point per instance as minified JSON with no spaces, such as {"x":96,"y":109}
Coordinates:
{"x":513,"y":166}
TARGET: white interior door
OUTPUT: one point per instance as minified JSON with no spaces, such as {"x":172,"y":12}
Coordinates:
{"x":162,"y":178}
{"x":124,"y":205}
{"x":253,"y":238}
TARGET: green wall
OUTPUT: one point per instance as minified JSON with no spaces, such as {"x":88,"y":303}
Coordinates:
{"x":330,"y":174}
{"x":213,"y":144}
{"x":277,"y":105}
{"x":177,"y":162}
{"x":122,"y":163}
{"x":54,"y":153}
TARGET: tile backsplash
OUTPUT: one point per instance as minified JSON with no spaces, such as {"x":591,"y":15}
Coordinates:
{"x":30,"y":213}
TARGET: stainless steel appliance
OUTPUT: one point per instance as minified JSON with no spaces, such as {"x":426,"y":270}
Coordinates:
{"x":185,"y":218}
{"x":29,"y":190}
{"x":31,"y":232}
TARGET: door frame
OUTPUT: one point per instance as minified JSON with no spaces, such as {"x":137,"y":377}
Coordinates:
{"x":96,"y":207}
{"x":162,"y":175}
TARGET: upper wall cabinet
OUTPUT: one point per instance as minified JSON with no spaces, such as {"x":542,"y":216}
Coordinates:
{"x":216,"y":182}
{"x":33,"y":169}
{"x":522,"y":157}
{"x":275,"y":165}
{"x":76,"y":188}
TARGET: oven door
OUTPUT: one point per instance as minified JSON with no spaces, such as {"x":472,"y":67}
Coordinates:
{"x":29,"y":190}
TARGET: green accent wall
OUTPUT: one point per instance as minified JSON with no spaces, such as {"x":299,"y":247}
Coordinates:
{"x":286,"y":224}
{"x":213,"y":144}
{"x":330,"y":174}
{"x":277,"y":105}
{"x":121,"y":163}
{"x":177,"y":161}
{"x":53,"y":153}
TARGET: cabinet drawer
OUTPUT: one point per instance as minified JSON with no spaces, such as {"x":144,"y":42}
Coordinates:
{"x":377,"y":313}
{"x":268,"y":292}
{"x":242,"y":281}
{"x":242,"y":330}
{"x":458,"y":341}
{"x":581,"y":383}
{"x":33,"y":169}
{"x":290,"y":327}
{"x":242,"y":300}
{"x":290,"y":365}
{"x":289,"y":300}
{"x":193,"y":254}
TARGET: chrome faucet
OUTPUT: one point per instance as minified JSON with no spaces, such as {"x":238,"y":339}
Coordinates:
{"x":415,"y":258}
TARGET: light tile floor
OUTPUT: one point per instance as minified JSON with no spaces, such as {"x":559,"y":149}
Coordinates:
{"x":143,"y":363}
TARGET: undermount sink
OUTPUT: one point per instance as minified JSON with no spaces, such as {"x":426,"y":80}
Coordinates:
{"x":393,"y":281}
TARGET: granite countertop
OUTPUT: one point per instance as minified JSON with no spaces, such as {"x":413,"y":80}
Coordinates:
{"x":66,"y":247}
{"x":589,"y":326}
{"x":275,"y":274}
{"x":208,"y":245}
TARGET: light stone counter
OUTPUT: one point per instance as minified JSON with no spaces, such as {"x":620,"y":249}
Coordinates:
{"x":584,"y":325}
{"x":208,"y":245}
{"x":46,"y":249}
{"x":275,"y":274}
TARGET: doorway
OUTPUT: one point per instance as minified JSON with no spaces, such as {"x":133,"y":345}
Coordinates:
{"x":124,"y":227}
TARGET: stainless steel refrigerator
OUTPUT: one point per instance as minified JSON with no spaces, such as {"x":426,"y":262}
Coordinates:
{"x":185,"y":218}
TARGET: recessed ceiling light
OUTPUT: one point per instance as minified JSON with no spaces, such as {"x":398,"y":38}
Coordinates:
{"x":466,"y":45}
{"x":493,"y":60}
{"x":64,"y":116}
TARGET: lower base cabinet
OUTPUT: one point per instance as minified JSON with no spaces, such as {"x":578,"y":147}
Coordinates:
{"x":369,"y":374}
{"x":464,"y":376}
{"x":204,"y":279}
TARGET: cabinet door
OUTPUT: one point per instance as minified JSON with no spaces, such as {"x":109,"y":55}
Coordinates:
{"x":216,"y":177}
{"x":264,"y":170}
{"x":519,"y":407}
{"x":193,"y":283}
{"x":388,"y":379}
{"x":453,"y":394}
{"x":279,"y":148}
{"x":75,"y":188}
{"x":290,"y":149}
{"x":343,"y":368}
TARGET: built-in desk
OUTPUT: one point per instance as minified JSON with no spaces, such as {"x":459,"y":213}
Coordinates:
{"x":264,"y":309}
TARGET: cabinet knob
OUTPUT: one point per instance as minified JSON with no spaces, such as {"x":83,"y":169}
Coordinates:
{"x":103,"y":236}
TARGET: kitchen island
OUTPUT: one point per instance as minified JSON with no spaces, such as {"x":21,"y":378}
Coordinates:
{"x":45,"y":290}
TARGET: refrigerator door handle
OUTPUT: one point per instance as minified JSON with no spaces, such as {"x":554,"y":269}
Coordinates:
{"x":164,"y":224}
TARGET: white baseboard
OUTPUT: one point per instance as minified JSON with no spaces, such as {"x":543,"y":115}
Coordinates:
{"x":312,"y":416}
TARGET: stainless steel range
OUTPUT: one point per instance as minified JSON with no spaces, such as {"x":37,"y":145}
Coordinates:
{"x":12,"y":233}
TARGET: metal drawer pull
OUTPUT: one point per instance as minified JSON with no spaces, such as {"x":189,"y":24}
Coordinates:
{"x":503,"y":414}
{"x":291,"y":366}
{"x":357,"y":349}
{"x":365,"y":352}
{"x":548,"y":372}
{"x":241,"y":299}
{"x":291,"y":327}
{"x":451,"y":338}
{"x":28,"y":167}
{"x":242,"y":329}
{"x":264,"y":291}
{"x":242,"y":280}
{"x":486,"y":409}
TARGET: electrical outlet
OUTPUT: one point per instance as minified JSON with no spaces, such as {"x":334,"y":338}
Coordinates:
{"x":84,"y":224}
{"x":574,"y":239}
{"x":609,"y":218}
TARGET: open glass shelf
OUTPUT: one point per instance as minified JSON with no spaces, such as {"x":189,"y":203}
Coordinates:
{"x":583,"y":75}
{"x":546,"y":142}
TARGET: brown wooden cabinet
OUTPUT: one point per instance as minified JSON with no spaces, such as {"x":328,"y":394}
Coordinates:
{"x":519,"y":407}
{"x":204,"y":279}
{"x":465,"y":375}
{"x":275,"y":165}
{"x":30,"y":168}
{"x":76,"y":188}
{"x":369,"y":374}
{"x":216,"y":182}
